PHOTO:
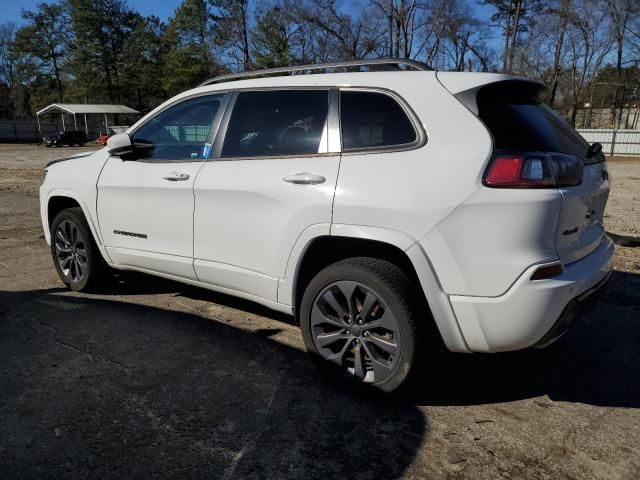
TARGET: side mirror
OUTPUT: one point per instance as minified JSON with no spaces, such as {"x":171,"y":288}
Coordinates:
{"x":119,"y":145}
{"x":594,"y":150}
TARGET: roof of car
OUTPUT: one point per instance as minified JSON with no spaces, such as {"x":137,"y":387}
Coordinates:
{"x":377,"y":64}
{"x":400,"y":80}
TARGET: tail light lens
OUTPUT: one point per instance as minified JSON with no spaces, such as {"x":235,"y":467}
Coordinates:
{"x":533,"y":170}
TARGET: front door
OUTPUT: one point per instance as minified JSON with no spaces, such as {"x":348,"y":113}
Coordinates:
{"x":145,"y":206}
{"x":274,"y":176}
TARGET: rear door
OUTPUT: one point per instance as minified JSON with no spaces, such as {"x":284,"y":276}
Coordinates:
{"x":273,"y":176}
{"x":519,"y":122}
{"x":145,"y":206}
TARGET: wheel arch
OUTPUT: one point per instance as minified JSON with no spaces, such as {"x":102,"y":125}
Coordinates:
{"x":58,"y":203}
{"x":328,"y":245}
{"x":324,"y":250}
{"x":61,"y":199}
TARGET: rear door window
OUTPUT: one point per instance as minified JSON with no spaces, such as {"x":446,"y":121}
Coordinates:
{"x":519,"y":121}
{"x":274,"y":123}
{"x":373,"y":120}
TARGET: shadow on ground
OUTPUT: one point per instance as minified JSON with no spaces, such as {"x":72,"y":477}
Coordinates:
{"x":110,"y":389}
{"x":106,"y":389}
{"x":597,"y":362}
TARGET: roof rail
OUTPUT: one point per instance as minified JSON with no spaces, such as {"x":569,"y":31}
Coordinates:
{"x":377,"y":63}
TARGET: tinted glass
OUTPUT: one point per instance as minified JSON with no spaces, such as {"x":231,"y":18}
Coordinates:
{"x":518,"y":120}
{"x":180,"y":132}
{"x":370,"y":119}
{"x":276,"y":123}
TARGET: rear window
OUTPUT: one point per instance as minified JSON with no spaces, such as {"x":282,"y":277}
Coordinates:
{"x":518,"y":120}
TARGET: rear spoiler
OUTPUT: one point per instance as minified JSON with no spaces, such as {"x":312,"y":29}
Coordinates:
{"x":465,"y":87}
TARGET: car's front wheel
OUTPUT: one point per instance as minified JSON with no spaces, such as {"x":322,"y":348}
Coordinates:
{"x":359,"y":317}
{"x":75,"y":254}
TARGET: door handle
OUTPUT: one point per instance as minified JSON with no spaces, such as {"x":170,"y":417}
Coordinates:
{"x":177,"y":177}
{"x":304,"y":178}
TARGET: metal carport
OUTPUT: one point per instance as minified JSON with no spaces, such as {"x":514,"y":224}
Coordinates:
{"x":84,"y":109}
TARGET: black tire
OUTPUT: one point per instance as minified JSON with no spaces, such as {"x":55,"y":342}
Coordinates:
{"x":395,"y":295}
{"x":86,"y":269}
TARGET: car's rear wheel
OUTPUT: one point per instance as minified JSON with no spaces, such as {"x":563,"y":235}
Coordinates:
{"x":358,"y":317}
{"x":75,"y":253}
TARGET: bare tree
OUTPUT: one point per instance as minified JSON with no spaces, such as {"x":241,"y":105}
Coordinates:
{"x":350,"y":36}
{"x":11,"y":73}
{"x":231,"y":30}
{"x":588,"y":46}
{"x":8,"y":61}
{"x":405,"y":24}
{"x":622,"y":12}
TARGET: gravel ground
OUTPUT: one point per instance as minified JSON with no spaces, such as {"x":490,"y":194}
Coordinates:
{"x":623,"y":210}
{"x":156,"y":379}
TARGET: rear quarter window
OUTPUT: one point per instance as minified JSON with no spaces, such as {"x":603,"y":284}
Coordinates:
{"x":371,"y":120}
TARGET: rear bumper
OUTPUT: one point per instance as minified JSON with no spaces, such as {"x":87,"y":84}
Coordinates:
{"x":576,"y":308}
{"x":533,"y":313}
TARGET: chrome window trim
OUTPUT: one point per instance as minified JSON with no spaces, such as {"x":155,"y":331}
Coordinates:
{"x":421,"y":136}
{"x":335,"y":137}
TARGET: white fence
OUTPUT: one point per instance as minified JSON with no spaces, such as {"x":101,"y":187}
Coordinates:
{"x":614,"y":142}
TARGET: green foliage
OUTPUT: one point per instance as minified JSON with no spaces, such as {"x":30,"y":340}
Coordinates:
{"x":104,"y":51}
{"x":271,"y":39}
{"x":188,"y":42}
{"x":101,"y":29}
{"x":42,"y":42}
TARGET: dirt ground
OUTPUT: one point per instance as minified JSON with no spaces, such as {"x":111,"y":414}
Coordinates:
{"x":157,"y":379}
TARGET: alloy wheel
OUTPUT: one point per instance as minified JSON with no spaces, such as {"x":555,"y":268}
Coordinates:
{"x":353,"y":328}
{"x":71,"y":251}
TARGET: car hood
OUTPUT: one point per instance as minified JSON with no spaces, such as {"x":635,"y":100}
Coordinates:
{"x":70,"y":157}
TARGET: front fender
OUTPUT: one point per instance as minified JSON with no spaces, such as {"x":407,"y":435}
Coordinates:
{"x":86,"y":210}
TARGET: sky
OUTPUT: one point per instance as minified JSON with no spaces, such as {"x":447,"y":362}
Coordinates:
{"x":160,"y":8}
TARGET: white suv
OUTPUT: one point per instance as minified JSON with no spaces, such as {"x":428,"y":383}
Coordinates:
{"x":372,"y":205}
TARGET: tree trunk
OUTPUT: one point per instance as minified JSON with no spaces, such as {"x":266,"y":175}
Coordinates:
{"x":56,"y":72}
{"x":514,"y":36}
{"x":617,"y":101}
{"x":507,"y":37}
{"x":245,"y":38}
{"x":558,"y":53}
{"x":390,"y":27}
{"x":574,"y":114}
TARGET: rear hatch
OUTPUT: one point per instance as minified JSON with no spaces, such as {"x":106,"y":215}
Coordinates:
{"x":521,"y":124}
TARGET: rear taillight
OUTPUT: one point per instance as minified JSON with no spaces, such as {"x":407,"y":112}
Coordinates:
{"x":533,"y":170}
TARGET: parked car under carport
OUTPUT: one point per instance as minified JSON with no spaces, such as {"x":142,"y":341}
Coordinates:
{"x":72,"y":137}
